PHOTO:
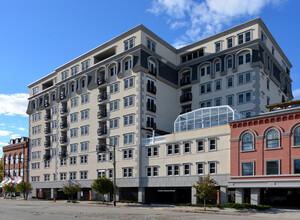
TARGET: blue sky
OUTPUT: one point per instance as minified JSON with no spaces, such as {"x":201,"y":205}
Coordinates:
{"x":39,"y":36}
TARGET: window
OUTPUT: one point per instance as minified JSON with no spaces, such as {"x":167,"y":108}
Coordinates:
{"x":128,"y":64}
{"x":218,"y":67}
{"x":297,"y":136}
{"x":36,"y":129}
{"x":212,"y":167}
{"x":128,"y":120}
{"x":152,"y":171}
{"x":272,"y":167}
{"x":212,"y":144}
{"x":63,"y":162}
{"x":205,"y":104}
{"x":47,"y":164}
{"x":127,"y":154}
{"x":73,"y":148}
{"x":85,"y":64}
{"x":34,"y":155}
{"x":205,"y":71}
{"x":151,"y":45}
{"x":54,"y":124}
{"x":205,"y":88}
{"x":84,"y":146}
{"x":244,"y":97}
{"x":187,"y":169}
{"x":74,"y":102}
{"x":129,"y":83}
{"x":187,"y":147}
{"x":247,"y":141}
{"x":35,"y":179}
{"x":218,"y":101}
{"x":192,"y":55}
{"x":200,"y":145}
{"x":114,"y":140}
{"x":247,"y":114}
{"x":128,"y":138}
{"x":101,"y":157}
{"x":247,"y":169}
{"x":244,"y":37}
{"x":128,"y":101}
{"x":229,"y":63}
{"x":273,"y":50}
{"x":272,"y":139}
{"x":74,"y":117}
{"x":85,"y":114}
{"x":152,"y":151}
{"x":229,"y":100}
{"x":173,"y":149}
{"x":114,"y":105}
{"x":129,"y":43}
{"x":35,"y":166}
{"x":72,"y":160}
{"x":218,"y":85}
{"x":296,"y":166}
{"x":74,"y":70}
{"x":173,"y":170}
{"x":85,"y":98}
{"x":64,"y":74}
{"x":83,"y":175}
{"x":74,"y":132}
{"x":113,"y":70}
{"x":263,"y":37}
{"x":72,"y":175}
{"x":83,"y":159}
{"x":200,"y":168}
{"x":218,"y":46}
{"x":127,"y":172}
{"x":245,"y":58}
{"x":46,"y":177}
{"x":114,"y":88}
{"x":268,"y":84}
{"x":110,"y":173}
{"x":101,"y":173}
{"x":63,"y":176}
{"x":114,"y":123}
{"x":229,"y":42}
{"x":35,"y":90}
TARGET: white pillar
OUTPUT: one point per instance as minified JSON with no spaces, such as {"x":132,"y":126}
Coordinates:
{"x":223,"y":195}
{"x":141,"y":195}
{"x":194,"y":198}
{"x":255,"y":196}
{"x":117,"y":194}
{"x":78,"y":194}
{"x":239,"y":195}
{"x":53,"y":193}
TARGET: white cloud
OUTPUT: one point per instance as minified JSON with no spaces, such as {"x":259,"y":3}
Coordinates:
{"x":2,"y":124}
{"x":14,"y":136}
{"x":296,"y":93}
{"x":13,"y":104}
{"x":5,"y":133}
{"x":207,"y":17}
{"x":21,"y":129}
{"x":3,"y":144}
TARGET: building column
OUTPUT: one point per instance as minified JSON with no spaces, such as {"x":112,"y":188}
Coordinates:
{"x":194,"y":198}
{"x":78,"y":194}
{"x":239,"y":195}
{"x":223,"y":195}
{"x":141,"y":195}
{"x":53,"y":193}
{"x":117,"y":194}
{"x":255,"y":196}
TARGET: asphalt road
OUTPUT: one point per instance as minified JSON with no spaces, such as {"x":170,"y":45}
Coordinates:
{"x":45,"y":210}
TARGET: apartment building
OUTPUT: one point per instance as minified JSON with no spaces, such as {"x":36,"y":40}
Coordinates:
{"x":121,"y":91}
{"x":265,"y":154}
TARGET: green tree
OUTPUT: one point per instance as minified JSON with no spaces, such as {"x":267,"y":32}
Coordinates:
{"x":10,"y":189}
{"x":24,"y":188}
{"x":103,"y":186}
{"x":206,"y":189}
{"x":70,"y":190}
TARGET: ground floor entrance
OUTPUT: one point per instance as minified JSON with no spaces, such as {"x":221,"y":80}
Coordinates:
{"x":168,"y":195}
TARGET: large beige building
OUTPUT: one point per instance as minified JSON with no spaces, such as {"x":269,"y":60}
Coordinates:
{"x":120,"y":91}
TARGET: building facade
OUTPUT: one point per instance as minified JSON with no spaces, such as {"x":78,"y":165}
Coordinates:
{"x":120,"y":91}
{"x":15,"y":157}
{"x":265,"y":158}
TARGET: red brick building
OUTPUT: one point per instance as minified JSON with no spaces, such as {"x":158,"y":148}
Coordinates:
{"x":265,"y":157}
{"x":15,"y":157}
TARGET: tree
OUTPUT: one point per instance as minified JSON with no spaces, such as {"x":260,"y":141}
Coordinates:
{"x":103,"y":186}
{"x":70,"y":190}
{"x":24,"y":188}
{"x":206,"y":189}
{"x":1,"y":169}
{"x":10,"y":189}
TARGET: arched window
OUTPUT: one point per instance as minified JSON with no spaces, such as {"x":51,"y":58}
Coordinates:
{"x":22,"y":158}
{"x":297,"y":136}
{"x":6,"y":160}
{"x":16,"y":159}
{"x":11,"y":159}
{"x":272,"y":139}
{"x":247,"y":141}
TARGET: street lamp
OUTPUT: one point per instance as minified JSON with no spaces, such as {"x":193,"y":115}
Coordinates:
{"x":101,"y":148}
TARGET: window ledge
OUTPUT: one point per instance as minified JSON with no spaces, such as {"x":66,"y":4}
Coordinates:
{"x":298,"y":146}
{"x":245,"y":151}
{"x":277,"y":148}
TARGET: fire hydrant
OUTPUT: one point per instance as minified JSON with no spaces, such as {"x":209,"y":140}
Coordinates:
{"x":54,"y":199}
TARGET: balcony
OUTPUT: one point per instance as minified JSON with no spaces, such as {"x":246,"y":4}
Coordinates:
{"x":63,"y":154}
{"x":47,"y":130}
{"x":63,"y":139}
{"x":151,"y":107}
{"x":46,"y":103}
{"x":152,"y":70}
{"x":102,"y":96}
{"x":151,"y":88}
{"x":101,"y":131}
{"x":102,"y":114}
{"x":63,"y":125}
{"x":47,"y":117}
{"x":185,"y":81}
{"x":63,"y":110}
{"x":47,"y":143}
{"x":47,"y":156}
{"x":186,"y":97}
{"x":101,"y":81}
{"x":101,"y":148}
{"x":151,"y":124}
{"x":62,"y":96}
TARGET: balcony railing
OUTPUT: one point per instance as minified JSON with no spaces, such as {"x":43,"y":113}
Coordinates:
{"x":47,"y":117}
{"x":185,"y":81}
{"x":63,"y":154}
{"x":63,"y":140}
{"x":101,"y":148}
{"x":46,"y":103}
{"x":102,"y":131}
{"x":151,"y":107}
{"x":101,"y":81}
{"x":102,"y":114}
{"x":152,"y":70}
{"x":154,"y":140}
{"x":102,"y":96}
{"x":47,"y":130}
{"x":151,"y":124}
{"x":186,"y":97}
{"x":62,"y":96}
{"x":47,"y":157}
{"x":63,"y":125}
{"x":151,"y":88}
{"x":47,"y":143}
{"x":63,"y":110}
